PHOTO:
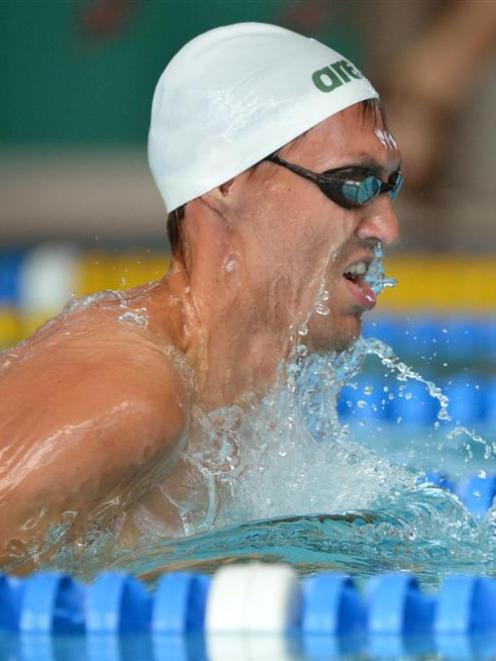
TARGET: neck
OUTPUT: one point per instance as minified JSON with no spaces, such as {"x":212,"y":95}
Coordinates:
{"x":233,"y":349}
{"x":238,"y":367}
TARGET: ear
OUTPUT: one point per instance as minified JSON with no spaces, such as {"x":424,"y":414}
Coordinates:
{"x":206,"y":229}
{"x":220,"y":197}
{"x":224,"y":188}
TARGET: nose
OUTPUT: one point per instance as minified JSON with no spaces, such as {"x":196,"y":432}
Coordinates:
{"x":379,"y":222}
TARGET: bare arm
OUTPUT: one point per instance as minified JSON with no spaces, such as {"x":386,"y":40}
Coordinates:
{"x":86,"y":421}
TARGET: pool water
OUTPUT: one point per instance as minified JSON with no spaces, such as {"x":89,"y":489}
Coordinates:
{"x":291,"y":481}
{"x":327,"y":473}
{"x":320,"y":480}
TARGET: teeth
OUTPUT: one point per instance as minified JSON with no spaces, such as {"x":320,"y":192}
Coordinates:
{"x":360,"y":268}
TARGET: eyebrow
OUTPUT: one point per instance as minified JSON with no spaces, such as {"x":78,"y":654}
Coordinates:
{"x":369,"y":162}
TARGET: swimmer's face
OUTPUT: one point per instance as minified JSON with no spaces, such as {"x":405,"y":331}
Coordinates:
{"x":307,"y":242}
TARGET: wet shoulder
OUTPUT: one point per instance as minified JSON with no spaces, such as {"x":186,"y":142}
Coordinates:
{"x":102,"y":353}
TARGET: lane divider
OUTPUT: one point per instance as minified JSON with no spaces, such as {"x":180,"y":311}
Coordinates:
{"x":253,"y":598}
{"x":179,"y":603}
{"x":455,"y":336}
{"x":472,"y":400}
{"x":332,"y":605}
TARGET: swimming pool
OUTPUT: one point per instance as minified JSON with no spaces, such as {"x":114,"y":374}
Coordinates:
{"x":292,"y":483}
{"x":361,"y":544}
{"x":349,"y":494}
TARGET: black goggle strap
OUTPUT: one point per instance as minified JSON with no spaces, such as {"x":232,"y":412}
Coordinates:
{"x":295,"y":168}
{"x":331,"y":186}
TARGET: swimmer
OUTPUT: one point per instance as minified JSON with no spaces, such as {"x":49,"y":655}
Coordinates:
{"x":278,"y":172}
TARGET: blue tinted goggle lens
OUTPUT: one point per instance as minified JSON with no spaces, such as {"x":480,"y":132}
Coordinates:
{"x":360,"y":191}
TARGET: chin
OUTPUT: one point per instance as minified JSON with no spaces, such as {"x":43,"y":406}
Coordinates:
{"x":335,"y":334}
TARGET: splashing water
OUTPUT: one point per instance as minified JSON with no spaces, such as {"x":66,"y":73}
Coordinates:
{"x":137,"y":316}
{"x":286,"y":470}
{"x":285,"y":479}
{"x":287,"y":482}
{"x":403,"y":372}
{"x":378,"y":281}
{"x":376,"y":277}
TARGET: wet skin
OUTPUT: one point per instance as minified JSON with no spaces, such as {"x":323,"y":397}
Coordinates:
{"x":94,"y":412}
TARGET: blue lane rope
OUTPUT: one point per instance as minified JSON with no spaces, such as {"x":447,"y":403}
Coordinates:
{"x":179,"y":603}
{"x":472,"y":401}
{"x":116,"y":603}
{"x":332,"y":605}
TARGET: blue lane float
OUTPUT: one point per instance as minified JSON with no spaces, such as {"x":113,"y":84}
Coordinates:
{"x":52,"y":617}
{"x":11,"y":262}
{"x":439,"y":480}
{"x":472,"y":401}
{"x":10,"y":602}
{"x":179,"y":603}
{"x":466,"y":604}
{"x":331,"y":605}
{"x":52,"y":602}
{"x":397,"y":606}
{"x":454,"y":337}
{"x":117,"y":602}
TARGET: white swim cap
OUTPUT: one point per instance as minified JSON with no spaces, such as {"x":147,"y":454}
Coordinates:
{"x":234,"y":95}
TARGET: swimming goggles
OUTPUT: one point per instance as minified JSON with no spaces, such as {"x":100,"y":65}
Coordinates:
{"x":349,"y":187}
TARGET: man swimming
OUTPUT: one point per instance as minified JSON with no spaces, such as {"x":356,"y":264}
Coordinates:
{"x":277,"y":170}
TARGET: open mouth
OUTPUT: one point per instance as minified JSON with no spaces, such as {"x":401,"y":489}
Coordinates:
{"x":362,"y":293}
{"x":357,"y":271}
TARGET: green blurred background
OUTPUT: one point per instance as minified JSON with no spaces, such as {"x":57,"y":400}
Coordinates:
{"x":83,"y":73}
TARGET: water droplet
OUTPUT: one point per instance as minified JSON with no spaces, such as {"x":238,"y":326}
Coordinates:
{"x":136,"y":317}
{"x":322,"y":309}
{"x":230,"y":265}
{"x":301,"y":350}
